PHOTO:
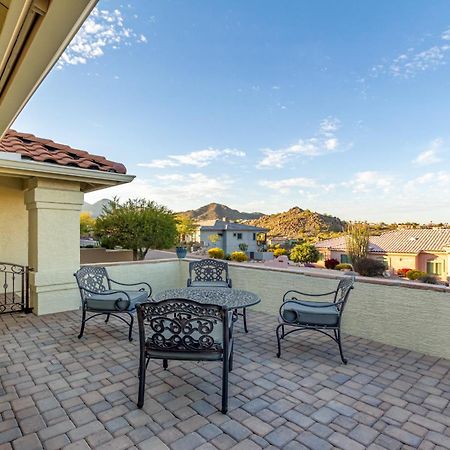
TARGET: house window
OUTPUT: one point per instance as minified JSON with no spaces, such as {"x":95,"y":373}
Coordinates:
{"x":434,"y":267}
{"x":239,"y":236}
{"x":345,"y":259}
{"x":254,"y":236}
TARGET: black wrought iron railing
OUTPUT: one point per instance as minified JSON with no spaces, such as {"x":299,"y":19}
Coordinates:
{"x":14,"y":288}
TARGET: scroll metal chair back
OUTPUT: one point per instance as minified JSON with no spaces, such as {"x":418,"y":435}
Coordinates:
{"x":209,"y":273}
{"x":180,"y":329}
{"x":322,"y":316}
{"x":100,"y":294}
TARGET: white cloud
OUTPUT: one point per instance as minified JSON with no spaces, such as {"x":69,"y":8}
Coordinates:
{"x":176,"y":191}
{"x":285,"y":186}
{"x":325,"y":142}
{"x":199,"y":158}
{"x":369,"y":180}
{"x":329,"y":125}
{"x":103,"y":29}
{"x":438,"y":179}
{"x":430,"y":155}
{"x":408,"y":64}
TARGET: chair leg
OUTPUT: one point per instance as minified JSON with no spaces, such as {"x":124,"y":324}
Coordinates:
{"x":281,"y":326}
{"x":130,"y":332}
{"x":225,"y":370}
{"x":83,"y":322}
{"x":282,"y":331}
{"x":244,"y":315}
{"x":107,"y":318}
{"x":142,"y":370}
{"x":230,"y":362}
{"x":337,"y":333}
{"x":165,"y":364}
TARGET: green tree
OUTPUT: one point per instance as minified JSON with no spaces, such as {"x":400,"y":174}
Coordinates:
{"x":87,"y":223}
{"x":305,"y":253}
{"x":185,"y":227}
{"x":137,"y":224}
{"x":357,"y":242}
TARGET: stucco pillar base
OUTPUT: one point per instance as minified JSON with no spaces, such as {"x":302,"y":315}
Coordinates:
{"x":53,"y":244}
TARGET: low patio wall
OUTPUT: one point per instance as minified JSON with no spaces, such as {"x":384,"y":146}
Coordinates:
{"x":402,"y":314}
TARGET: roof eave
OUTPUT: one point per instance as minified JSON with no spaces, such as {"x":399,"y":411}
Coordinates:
{"x":91,"y":180}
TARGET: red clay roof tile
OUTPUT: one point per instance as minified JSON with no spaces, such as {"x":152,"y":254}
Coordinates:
{"x":45,"y":150}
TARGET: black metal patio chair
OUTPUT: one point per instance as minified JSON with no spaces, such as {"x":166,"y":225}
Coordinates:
{"x":212,"y":273}
{"x":180,"y":329}
{"x":102,"y":295}
{"x":324,"y":317}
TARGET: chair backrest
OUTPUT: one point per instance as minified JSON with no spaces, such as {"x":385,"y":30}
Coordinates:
{"x":180,"y":325}
{"x":91,"y":279}
{"x":208,"y":270}
{"x":343,"y":290}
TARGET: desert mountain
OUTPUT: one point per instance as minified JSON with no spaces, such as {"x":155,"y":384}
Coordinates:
{"x":218,"y":211}
{"x":96,"y":208}
{"x":299,"y":223}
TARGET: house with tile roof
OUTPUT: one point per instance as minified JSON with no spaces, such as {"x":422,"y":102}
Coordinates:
{"x":426,"y":249}
{"x":42,"y":187}
{"x":231,"y":235}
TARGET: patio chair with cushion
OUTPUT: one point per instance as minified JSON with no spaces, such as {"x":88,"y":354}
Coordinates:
{"x":102,"y":295}
{"x":179,"y":329}
{"x":211,"y":273}
{"x":324,"y":317}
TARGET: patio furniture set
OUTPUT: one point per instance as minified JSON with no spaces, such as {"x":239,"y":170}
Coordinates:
{"x":196,"y":323}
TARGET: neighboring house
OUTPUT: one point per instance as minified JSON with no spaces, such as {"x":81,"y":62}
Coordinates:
{"x":230,"y":235}
{"x":42,"y":186}
{"x":427,"y":250}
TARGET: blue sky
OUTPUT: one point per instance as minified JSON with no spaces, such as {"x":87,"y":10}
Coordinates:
{"x":339,"y":107}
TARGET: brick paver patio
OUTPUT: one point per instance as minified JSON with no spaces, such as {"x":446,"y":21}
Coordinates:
{"x":59,"y":392}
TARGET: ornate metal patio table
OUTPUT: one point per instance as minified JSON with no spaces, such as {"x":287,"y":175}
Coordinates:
{"x":225,"y":297}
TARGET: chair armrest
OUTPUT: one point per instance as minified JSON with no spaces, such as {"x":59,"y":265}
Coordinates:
{"x":299,"y":302}
{"x":135,"y":284}
{"x":307,"y":294}
{"x":116,"y":303}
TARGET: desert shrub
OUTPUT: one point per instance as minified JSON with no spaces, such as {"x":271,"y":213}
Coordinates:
{"x":343,"y":266}
{"x":403,"y":272}
{"x":370,"y":267}
{"x":216,"y":253}
{"x":227,"y":257}
{"x":429,"y":279}
{"x":331,"y":263}
{"x":238,"y":256}
{"x":415,"y":274}
{"x":304,"y":253}
{"x":279,"y":252}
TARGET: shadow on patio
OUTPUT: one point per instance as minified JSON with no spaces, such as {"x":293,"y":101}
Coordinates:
{"x":57,"y":391}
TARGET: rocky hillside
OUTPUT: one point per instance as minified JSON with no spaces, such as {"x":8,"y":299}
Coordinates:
{"x":95,"y":209}
{"x":299,"y":223}
{"x":218,"y":211}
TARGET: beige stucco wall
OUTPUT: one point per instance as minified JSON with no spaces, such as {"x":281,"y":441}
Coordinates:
{"x":415,"y":319}
{"x":160,"y":274}
{"x":13,"y":222}
{"x":54,"y":245}
{"x":381,"y":310}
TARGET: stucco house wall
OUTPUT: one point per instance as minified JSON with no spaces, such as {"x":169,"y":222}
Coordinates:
{"x":13,"y":222}
{"x":232,"y":242}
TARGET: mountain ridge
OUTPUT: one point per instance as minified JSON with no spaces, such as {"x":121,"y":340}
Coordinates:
{"x":217,"y":211}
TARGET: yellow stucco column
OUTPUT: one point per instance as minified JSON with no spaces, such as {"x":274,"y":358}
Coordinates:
{"x":53,"y":243}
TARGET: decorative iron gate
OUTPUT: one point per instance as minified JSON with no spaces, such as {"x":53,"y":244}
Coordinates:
{"x":14,"y":288}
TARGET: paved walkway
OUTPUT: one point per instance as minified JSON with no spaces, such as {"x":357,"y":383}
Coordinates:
{"x":59,"y":392}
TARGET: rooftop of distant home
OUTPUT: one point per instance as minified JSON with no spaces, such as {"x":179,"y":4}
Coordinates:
{"x":222,"y":225}
{"x":399,"y":241}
